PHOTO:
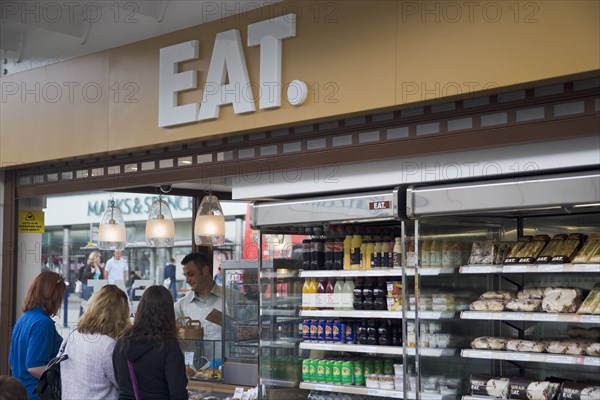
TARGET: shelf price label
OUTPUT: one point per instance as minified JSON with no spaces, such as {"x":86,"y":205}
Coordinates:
{"x":560,"y":359}
{"x":520,"y":357}
{"x":593,"y":361}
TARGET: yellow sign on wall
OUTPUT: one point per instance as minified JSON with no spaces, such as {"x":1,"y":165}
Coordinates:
{"x":31,"y":221}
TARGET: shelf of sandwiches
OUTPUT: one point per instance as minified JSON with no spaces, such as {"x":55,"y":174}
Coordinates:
{"x":575,"y":252}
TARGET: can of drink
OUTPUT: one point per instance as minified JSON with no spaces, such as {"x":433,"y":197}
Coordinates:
{"x":388,"y":366}
{"x":321,"y":370}
{"x":369,"y":367}
{"x":350,"y":334}
{"x":328,"y":331}
{"x":347,"y":373}
{"x":306,"y":370}
{"x":329,"y":371}
{"x":312,"y":369}
{"x":378,"y":366}
{"x":313,"y":330}
{"x":359,"y":373}
{"x":306,"y":330}
{"x":321,"y":330}
{"x":339,"y":330}
{"x":337,"y":372}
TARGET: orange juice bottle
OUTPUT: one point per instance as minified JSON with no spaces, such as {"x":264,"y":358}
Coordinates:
{"x":347,"y":250}
{"x":355,"y":257}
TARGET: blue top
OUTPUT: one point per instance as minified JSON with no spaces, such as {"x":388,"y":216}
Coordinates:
{"x":35,"y":342}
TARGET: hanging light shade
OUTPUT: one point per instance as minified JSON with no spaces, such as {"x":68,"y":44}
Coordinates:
{"x":111,"y":234}
{"x":209,"y":227}
{"x":160,"y":227}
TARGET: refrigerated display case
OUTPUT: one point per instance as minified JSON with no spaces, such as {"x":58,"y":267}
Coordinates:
{"x":240,"y":322}
{"x":443,"y":232}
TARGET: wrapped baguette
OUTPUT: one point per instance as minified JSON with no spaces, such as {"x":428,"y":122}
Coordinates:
{"x":593,"y":349}
{"x":489,"y":343}
{"x":531,"y":346}
{"x":497,"y":295}
{"x":570,"y":346}
{"x":487,"y":305}
{"x":531,"y":293}
{"x":524,"y":305}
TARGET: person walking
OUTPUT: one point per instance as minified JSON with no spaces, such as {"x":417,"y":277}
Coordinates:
{"x":35,"y":340}
{"x":91,"y":345}
{"x":150,"y":348}
{"x":116,"y":268}
{"x":170,"y":273}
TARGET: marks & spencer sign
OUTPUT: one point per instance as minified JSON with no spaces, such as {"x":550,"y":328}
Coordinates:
{"x":227,"y":80}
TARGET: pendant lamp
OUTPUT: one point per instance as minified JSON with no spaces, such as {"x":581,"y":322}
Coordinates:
{"x":209,"y":227}
{"x":111,"y":234}
{"x":160,"y":227}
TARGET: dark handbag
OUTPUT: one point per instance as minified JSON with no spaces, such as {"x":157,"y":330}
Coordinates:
{"x":49,"y":385}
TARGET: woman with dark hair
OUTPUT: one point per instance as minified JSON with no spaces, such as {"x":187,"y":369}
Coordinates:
{"x":90,"y":347}
{"x":150,"y":345}
{"x":12,"y":389}
{"x":35,"y":340}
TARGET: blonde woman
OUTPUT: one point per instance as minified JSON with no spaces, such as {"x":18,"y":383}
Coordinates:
{"x":91,"y":271}
{"x":88,"y":372}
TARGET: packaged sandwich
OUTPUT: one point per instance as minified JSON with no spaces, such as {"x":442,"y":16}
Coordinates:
{"x":529,"y":254}
{"x":517,"y":249}
{"x":484,"y":385}
{"x":591,"y":302}
{"x":550,"y":250}
{"x":568,"y":248}
{"x":561,"y":300}
{"x":590,"y":249}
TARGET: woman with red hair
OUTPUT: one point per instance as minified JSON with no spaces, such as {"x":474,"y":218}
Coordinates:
{"x":35,"y":340}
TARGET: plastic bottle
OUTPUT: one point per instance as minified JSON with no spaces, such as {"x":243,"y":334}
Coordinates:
{"x":306,"y":250}
{"x":385,"y":253}
{"x":317,"y":254}
{"x":328,"y":249}
{"x":338,"y":295}
{"x":308,"y":298}
{"x":314,"y":285}
{"x":397,"y":263}
{"x":435,"y":258}
{"x":369,"y":251}
{"x":338,"y":249}
{"x":357,"y":299}
{"x":348,"y":295}
{"x":329,"y":292}
{"x":355,"y":258}
{"x":347,"y":251}
{"x":426,"y":254}
{"x":377,"y":257}
{"x":321,"y":298}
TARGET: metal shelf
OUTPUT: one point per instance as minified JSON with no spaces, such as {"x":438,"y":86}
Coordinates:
{"x":528,"y":268}
{"x":373,"y":349}
{"x":375,"y":272}
{"x":278,"y":382}
{"x":375,"y":314}
{"x":530,"y":316}
{"x":531,"y":357}
{"x":388,"y":394}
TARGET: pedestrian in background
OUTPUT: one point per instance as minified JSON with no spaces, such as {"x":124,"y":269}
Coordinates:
{"x":91,"y":271}
{"x":170,"y":274}
{"x":116,"y":268}
{"x":151,"y":346}
{"x":35,"y":340}
{"x":88,"y":373}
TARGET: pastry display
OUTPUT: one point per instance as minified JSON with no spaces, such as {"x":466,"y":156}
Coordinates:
{"x":502,"y":295}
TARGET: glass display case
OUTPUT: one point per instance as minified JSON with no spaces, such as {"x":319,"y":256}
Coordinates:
{"x":412,"y":293}
{"x":240,"y":322}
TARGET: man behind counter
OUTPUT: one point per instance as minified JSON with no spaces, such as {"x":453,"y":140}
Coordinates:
{"x":204,"y":296}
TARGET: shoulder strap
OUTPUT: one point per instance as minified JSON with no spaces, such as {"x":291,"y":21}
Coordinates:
{"x":64,"y":345}
{"x":136,"y":390}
